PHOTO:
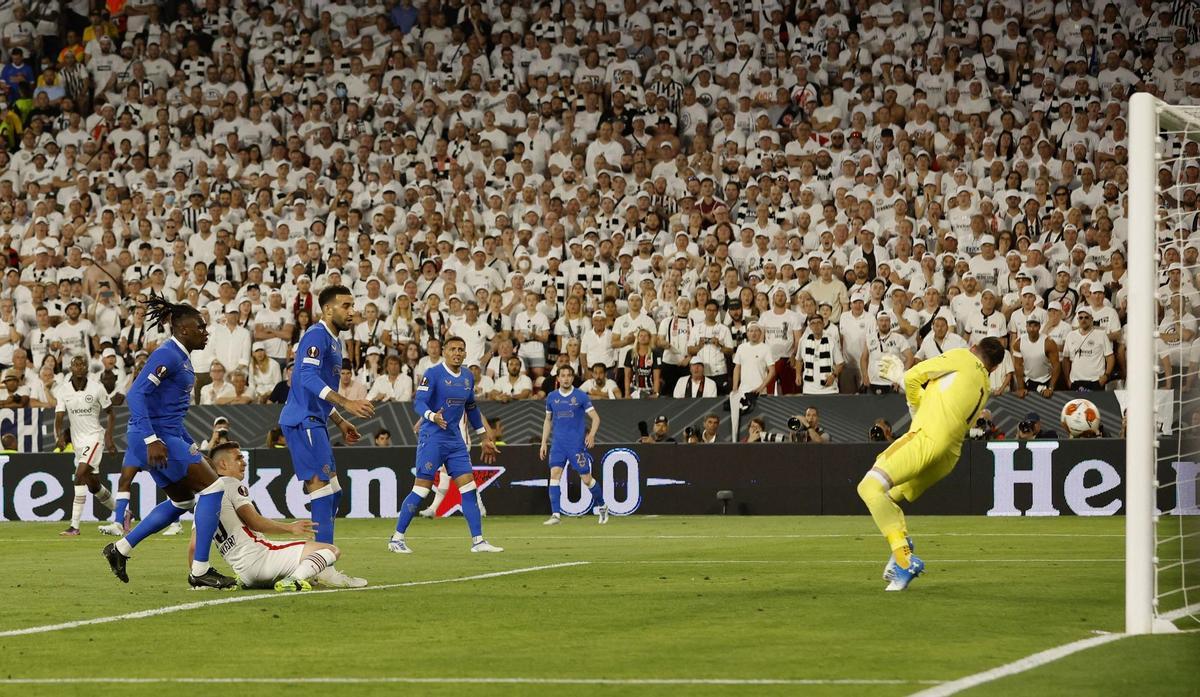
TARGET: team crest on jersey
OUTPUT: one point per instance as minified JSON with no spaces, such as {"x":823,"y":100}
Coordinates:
{"x":313,"y":352}
{"x":88,"y":398}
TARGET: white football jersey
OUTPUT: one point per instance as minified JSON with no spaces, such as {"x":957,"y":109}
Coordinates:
{"x":238,"y":544}
{"x":83,"y":409}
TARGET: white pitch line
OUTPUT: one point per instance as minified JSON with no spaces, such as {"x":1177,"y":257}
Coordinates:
{"x":1018,"y":666}
{"x":244,"y":598}
{"x":783,"y":536}
{"x":808,"y":561}
{"x":755,"y":682}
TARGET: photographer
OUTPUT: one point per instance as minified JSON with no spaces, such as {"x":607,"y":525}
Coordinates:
{"x":1030,"y":428}
{"x":985,"y":428}
{"x":807,"y":428}
{"x":881,"y":432}
{"x":758,"y":432}
{"x":220,"y":434}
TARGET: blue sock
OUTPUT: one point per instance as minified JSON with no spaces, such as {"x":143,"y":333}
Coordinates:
{"x":409,"y":508}
{"x":597,"y":493}
{"x":555,"y":490}
{"x":321,"y":504}
{"x":470,"y":508}
{"x":163,"y":515}
{"x":122,"y":506}
{"x":208,"y":517}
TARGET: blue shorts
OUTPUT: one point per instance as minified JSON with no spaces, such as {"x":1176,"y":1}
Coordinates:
{"x":182,"y":452}
{"x":433,"y":452}
{"x":580,"y":461}
{"x":312,"y":454}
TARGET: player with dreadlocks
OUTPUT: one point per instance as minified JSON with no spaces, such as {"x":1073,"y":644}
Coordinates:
{"x":158,"y":441}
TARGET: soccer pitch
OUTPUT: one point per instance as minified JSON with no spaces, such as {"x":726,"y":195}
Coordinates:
{"x":642,"y":606}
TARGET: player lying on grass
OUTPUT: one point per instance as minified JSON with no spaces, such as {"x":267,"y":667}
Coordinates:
{"x":944,"y":396}
{"x":567,"y":437}
{"x":259,"y":562}
{"x":82,"y":400}
{"x":159,"y":442}
{"x":446,"y":393}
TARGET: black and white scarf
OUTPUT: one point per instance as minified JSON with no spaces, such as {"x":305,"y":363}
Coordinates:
{"x":817,"y":355}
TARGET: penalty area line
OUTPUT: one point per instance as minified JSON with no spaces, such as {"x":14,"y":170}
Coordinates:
{"x":250,"y":597}
{"x":732,"y":682}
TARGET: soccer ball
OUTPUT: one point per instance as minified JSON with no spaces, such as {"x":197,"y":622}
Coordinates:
{"x":1081,"y":419}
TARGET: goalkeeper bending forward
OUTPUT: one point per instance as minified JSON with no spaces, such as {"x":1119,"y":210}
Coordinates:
{"x":944,"y":396}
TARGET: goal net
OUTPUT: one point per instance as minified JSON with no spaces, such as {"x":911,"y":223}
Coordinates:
{"x":1162,"y":546}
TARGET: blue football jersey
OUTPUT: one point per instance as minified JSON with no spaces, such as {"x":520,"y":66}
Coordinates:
{"x":453,"y":394}
{"x":568,"y":420}
{"x":318,"y":366}
{"x":160,"y":396}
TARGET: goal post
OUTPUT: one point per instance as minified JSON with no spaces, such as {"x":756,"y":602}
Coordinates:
{"x":1155,"y":126}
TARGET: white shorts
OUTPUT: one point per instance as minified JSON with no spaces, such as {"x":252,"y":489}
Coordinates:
{"x":269,"y":562}
{"x":89,"y":454}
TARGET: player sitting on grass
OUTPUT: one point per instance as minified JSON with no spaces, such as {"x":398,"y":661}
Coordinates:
{"x":565,"y":436}
{"x":258,"y":562}
{"x":944,"y":396}
{"x":82,"y":400}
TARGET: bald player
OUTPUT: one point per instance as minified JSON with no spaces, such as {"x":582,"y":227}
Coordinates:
{"x":944,"y":396}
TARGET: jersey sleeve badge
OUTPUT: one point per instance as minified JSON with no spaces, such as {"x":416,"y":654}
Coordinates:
{"x":313,"y":356}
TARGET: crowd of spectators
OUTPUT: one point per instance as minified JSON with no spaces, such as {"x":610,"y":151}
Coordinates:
{"x":676,"y":199}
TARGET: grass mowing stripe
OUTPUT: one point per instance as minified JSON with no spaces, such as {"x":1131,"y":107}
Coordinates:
{"x":782,"y":536}
{"x":467,"y":681}
{"x":269,"y":595}
{"x":810,"y":560}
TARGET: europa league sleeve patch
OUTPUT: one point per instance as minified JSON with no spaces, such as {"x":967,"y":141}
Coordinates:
{"x":314,"y":352}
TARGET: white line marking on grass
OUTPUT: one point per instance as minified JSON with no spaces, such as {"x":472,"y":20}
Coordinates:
{"x":808,"y":561}
{"x":784,"y":536}
{"x":1018,"y":666}
{"x":756,"y":682}
{"x":248,"y":597}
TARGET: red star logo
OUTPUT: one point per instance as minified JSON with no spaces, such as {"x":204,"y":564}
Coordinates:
{"x":484,"y":476}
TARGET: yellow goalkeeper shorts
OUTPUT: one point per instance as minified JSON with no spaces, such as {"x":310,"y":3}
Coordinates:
{"x":915,"y":462}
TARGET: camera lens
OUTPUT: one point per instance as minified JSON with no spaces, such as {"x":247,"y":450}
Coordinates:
{"x":795,"y":424}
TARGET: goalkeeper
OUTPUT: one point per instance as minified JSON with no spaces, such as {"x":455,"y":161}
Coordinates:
{"x":944,"y":396}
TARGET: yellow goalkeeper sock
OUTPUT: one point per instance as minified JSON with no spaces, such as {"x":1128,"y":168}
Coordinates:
{"x":888,"y":517}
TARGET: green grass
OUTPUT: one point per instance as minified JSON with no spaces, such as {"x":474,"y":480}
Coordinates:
{"x":663,"y":598}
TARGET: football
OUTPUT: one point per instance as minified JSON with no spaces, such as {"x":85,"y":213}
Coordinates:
{"x":1081,"y":419}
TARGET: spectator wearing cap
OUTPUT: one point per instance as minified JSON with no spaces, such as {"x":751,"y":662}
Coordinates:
{"x":989,"y":321}
{"x":14,"y":394}
{"x":695,"y":383}
{"x":273,"y":326}
{"x":264,"y":373}
{"x":596,"y":344}
{"x":855,"y":327}
{"x":1087,"y":355}
{"x":660,"y":431}
{"x":885,"y":341}
{"x":827,"y":288}
{"x":1036,"y":365}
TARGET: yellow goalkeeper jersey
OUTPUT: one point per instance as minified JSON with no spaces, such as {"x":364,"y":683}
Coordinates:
{"x":946,"y":394}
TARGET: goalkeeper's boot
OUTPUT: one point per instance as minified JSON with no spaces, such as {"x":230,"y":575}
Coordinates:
{"x":292,"y":585}
{"x":116,"y":561}
{"x":211,"y":579}
{"x":891,"y":565}
{"x":902,"y":577}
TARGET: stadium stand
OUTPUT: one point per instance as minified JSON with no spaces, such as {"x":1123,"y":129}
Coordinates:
{"x":673,"y":198}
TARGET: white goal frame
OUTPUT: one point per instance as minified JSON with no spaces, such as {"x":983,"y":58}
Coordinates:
{"x":1147,"y":115}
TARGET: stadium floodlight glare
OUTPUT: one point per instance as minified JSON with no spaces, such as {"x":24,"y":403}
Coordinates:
{"x":1162,"y":567}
